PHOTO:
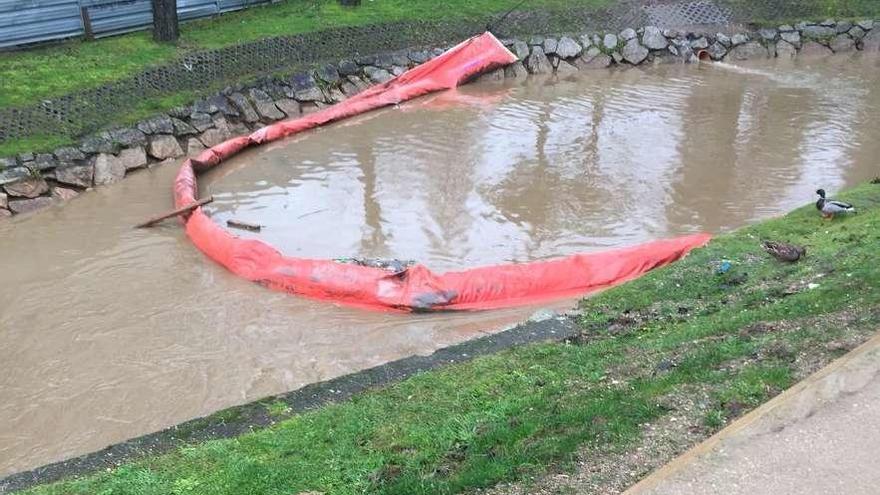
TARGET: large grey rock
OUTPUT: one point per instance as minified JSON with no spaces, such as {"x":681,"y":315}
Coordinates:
{"x":590,"y":60}
{"x":214,"y":104}
{"x":565,"y":69}
{"x":586,"y":40}
{"x":194,"y":147}
{"x":349,"y":89}
{"x":69,"y":154}
{"x":768,"y":34}
{"x":549,"y":46}
{"x":289,"y":106}
{"x":377,"y":75}
{"x":302,"y":81}
{"x":329,"y":74}
{"x":108,"y":169}
{"x":785,"y":50}
{"x":866,"y":24}
{"x":700,"y":43}
{"x":98,"y":143}
{"x":30,"y":187}
{"x":4,"y":200}
{"x":400,"y":58}
{"x":717,"y":51}
{"x":180,"y":112}
{"x":653,"y":39}
{"x":359,"y":83}
{"x":725,"y":40}
{"x":44,"y":161}
{"x":64,"y":194}
{"x":265,"y":105}
{"x":28,"y":205}
{"x":161,"y":147}
{"x":628,"y":34}
{"x":792,"y":37}
{"x":128,"y":136}
{"x":78,"y":175}
{"x":221,"y":123}
{"x":786,"y":28}
{"x":739,"y":39}
{"x":857,"y":33}
{"x":26,"y":157}
{"x":843,"y":27}
{"x":157,"y":125}
{"x":568,"y":48}
{"x":537,"y":62}
{"x":132,"y":158}
{"x":811,"y":49}
{"x":750,"y":50}
{"x":610,"y":41}
{"x":9,"y":162}
{"x":819,"y":32}
{"x":311,"y":94}
{"x":418,"y":57}
{"x":520,"y":49}
{"x":634,"y":53}
{"x":536,"y":41}
{"x":383,"y":60}
{"x":348,"y":68}
{"x":842,"y":43}
{"x":213,"y":137}
{"x":515,"y":70}
{"x":181,"y":128}
{"x":247,"y":111}
{"x":871,"y":41}
{"x":492,"y":76}
{"x":201,"y":121}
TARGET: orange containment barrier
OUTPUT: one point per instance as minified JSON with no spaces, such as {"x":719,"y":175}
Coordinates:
{"x":417,"y":288}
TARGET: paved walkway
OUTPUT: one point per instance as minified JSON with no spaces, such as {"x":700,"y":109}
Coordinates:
{"x":820,"y":437}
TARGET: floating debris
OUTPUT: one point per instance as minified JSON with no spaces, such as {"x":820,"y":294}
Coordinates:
{"x":239,"y":224}
{"x":392,"y":265}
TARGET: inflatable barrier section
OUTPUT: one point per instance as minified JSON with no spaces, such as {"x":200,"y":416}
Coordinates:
{"x":416,"y":288}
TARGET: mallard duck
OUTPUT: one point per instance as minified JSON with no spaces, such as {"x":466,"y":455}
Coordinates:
{"x":830,"y":207}
{"x":784,"y":252}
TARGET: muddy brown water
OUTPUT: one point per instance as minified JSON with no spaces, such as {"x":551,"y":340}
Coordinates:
{"x":107,"y":333}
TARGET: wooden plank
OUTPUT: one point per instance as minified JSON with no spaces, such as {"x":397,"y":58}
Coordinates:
{"x":177,"y":212}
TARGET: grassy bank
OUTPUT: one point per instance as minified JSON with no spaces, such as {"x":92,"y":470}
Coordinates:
{"x":733,"y":339}
{"x":26,"y":77}
{"x":30,"y":76}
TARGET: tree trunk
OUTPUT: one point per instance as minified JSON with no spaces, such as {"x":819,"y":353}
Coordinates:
{"x":165,"y":20}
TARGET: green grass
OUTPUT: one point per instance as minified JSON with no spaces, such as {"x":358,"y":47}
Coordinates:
{"x":772,"y":13}
{"x":514,"y":414}
{"x":35,"y":144}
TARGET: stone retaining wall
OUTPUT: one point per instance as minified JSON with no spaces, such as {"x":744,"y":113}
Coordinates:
{"x":31,"y":182}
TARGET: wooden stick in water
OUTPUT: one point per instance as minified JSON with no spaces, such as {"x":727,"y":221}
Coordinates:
{"x":239,"y":224}
{"x":177,"y":212}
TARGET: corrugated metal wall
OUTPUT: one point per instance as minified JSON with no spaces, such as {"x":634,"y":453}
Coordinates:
{"x":30,"y":21}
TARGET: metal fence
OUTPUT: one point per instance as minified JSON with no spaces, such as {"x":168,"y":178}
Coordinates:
{"x":24,"y":22}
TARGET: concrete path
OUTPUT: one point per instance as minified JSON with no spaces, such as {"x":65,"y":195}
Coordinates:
{"x":820,"y":437}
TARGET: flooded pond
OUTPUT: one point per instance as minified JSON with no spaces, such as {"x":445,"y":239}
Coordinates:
{"x":107,"y":333}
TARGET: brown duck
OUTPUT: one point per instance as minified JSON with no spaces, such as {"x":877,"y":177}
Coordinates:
{"x":785,"y":252}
